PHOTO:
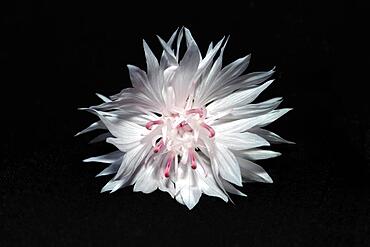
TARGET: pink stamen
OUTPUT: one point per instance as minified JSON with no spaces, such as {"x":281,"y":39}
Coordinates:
{"x":182,"y":124}
{"x":192,"y":159}
{"x":168,"y":167}
{"x":196,"y":111}
{"x":150,"y":124}
{"x":209,"y":128}
{"x":158,"y":147}
{"x":185,"y":126}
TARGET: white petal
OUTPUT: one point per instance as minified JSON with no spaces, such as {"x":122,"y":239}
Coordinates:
{"x":147,"y":182}
{"x":228,"y":165}
{"x":168,"y":52}
{"x":191,"y":196}
{"x":272,"y":116}
{"x":253,"y":110}
{"x":248,"y":123}
{"x":106,"y":158}
{"x":210,"y":55}
{"x":230,"y":188}
{"x":237,"y":99}
{"x":257,"y":154}
{"x":252,"y":79}
{"x":233,"y":70}
{"x":190,"y":40}
{"x":138,"y":78}
{"x":269,"y":136}
{"x":101,"y":137}
{"x":132,"y":160}
{"x":204,"y":94}
{"x":122,"y":128}
{"x":102,"y":97}
{"x":187,"y":180}
{"x":113,"y":168}
{"x":133,"y":99}
{"x":252,"y":172}
{"x":241,"y":141}
{"x":206,"y":180}
{"x":151,"y":61}
{"x":243,"y":82}
{"x":179,"y":39}
{"x":112,"y":185}
{"x":183,"y":79}
{"x":155,"y":76}
{"x":94,"y":126}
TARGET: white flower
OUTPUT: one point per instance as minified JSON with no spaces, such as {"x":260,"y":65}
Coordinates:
{"x":188,"y":125}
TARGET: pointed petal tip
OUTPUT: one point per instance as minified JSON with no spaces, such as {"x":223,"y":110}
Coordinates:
{"x":104,"y":190}
{"x":289,"y":142}
{"x":160,"y":39}
{"x":190,"y":207}
{"x":268,"y":179}
{"x":83,"y":108}
{"x":146,"y":46}
{"x":181,"y":30}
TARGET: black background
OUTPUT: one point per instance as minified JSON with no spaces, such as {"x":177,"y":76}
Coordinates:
{"x":55,"y":56}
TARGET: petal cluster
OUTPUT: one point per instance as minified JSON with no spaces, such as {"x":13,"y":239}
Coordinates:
{"x":188,"y":125}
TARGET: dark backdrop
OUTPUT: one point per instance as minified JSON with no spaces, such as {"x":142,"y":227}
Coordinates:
{"x":55,"y":56}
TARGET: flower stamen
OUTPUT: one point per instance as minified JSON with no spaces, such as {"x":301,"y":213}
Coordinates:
{"x":196,"y":111}
{"x":209,"y":129}
{"x":185,"y":126}
{"x":168,"y":166}
{"x":158,"y":147}
{"x":192,"y":159}
{"x":150,"y":124}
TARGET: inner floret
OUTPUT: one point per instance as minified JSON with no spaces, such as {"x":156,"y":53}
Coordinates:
{"x":180,"y":136}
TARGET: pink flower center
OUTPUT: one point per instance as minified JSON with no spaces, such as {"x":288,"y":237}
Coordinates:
{"x":177,"y":136}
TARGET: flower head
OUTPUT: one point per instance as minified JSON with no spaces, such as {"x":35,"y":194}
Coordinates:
{"x":188,"y":126}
